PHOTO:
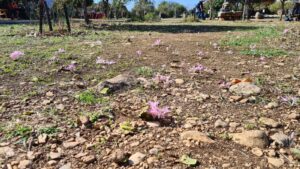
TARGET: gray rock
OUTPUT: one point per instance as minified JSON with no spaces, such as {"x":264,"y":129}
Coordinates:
{"x":66,"y":166}
{"x":70,"y":144}
{"x":269,"y":122}
{"x":276,"y":162}
{"x":54,"y":156}
{"x":153,"y":151}
{"x":257,"y":151}
{"x":136,"y":158}
{"x":294,"y":116}
{"x":252,"y":138}
{"x":220,"y":124}
{"x":196,"y":136}
{"x":119,"y":156}
{"x":24,"y":164}
{"x":7,"y":152}
{"x":88,"y":159}
{"x":245,"y":89}
{"x":42,"y":139}
{"x":272,"y":105}
{"x":282,"y":140}
{"x":117,"y":83}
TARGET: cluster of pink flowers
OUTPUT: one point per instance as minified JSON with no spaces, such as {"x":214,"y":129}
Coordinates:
{"x":157,"y":112}
{"x":16,"y":55}
{"x":224,"y":85}
{"x":104,"y":62}
{"x":157,"y":43}
{"x":72,"y":66}
{"x":285,"y":31}
{"x":198,"y":68}
{"x":166,"y":80}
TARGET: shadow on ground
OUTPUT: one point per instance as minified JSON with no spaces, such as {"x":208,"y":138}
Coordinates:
{"x":177,"y":28}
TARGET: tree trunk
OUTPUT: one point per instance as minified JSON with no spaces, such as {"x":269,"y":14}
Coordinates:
{"x":48,"y":16}
{"x":86,"y":17}
{"x":210,"y":9}
{"x":282,"y":9}
{"x":105,"y":6}
{"x":245,"y":10}
{"x":67,"y":17}
{"x":41,"y":13}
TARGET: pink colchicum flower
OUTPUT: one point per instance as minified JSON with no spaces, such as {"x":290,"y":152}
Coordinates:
{"x":290,"y":100}
{"x":198,"y":68}
{"x":166,"y":80}
{"x":224,"y":85}
{"x":157,"y":43}
{"x":285,"y":31}
{"x":104,"y":62}
{"x":61,"y":50}
{"x":200,"y":53}
{"x":252,"y":47}
{"x":156,"y":112}
{"x":16,"y":55}
{"x":71,"y":67}
{"x":139,"y":53}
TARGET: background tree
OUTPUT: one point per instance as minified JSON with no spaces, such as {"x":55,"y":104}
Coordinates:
{"x":170,"y":9}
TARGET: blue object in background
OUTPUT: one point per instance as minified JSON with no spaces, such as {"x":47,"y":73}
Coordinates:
{"x":50,"y":3}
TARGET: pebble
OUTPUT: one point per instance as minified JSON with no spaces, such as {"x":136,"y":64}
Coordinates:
{"x":276,"y":162}
{"x":257,"y":151}
{"x":88,"y":159}
{"x":42,"y":139}
{"x":179,"y":81}
{"x":269,"y":122}
{"x":280,"y":139}
{"x":119,"y":156}
{"x":54,"y":156}
{"x":272,"y":105}
{"x":66,"y":166}
{"x":196,"y":136}
{"x":136,"y":158}
{"x":245,"y":89}
{"x":252,"y":138}
{"x":24,"y":164}
{"x":153,"y":151}
{"x":70,"y":144}
{"x":221,"y":124}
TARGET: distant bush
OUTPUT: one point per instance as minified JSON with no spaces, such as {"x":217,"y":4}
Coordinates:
{"x":151,"y":17}
{"x":276,"y":7}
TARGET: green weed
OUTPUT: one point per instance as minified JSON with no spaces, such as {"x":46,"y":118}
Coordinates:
{"x":145,"y":71}
{"x":49,"y":130}
{"x":264,"y":52}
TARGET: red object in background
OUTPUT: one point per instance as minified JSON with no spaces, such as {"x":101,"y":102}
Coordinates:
{"x":96,"y":15}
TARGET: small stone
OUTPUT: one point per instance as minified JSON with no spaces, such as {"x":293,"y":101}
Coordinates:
{"x":153,"y":124}
{"x":276,"y":162}
{"x":196,"y":136}
{"x":46,"y":102}
{"x":119,"y":156}
{"x":235,"y":98}
{"x":272,"y":153}
{"x":79,"y":155}
{"x":245,"y":89}
{"x":269,"y":122}
{"x":179,"y":81}
{"x":294,"y":116}
{"x":49,"y":94}
{"x":52,"y":162}
{"x":42,"y":139}
{"x":252,"y":138}
{"x":31,"y":155}
{"x":226,"y":165}
{"x":24,"y":164}
{"x":60,"y":107}
{"x":257,"y":151}
{"x":66,"y":166}
{"x":88,"y":159}
{"x":84,"y":120}
{"x":272,"y":105}
{"x":54,"y":156}
{"x":153,"y":151}
{"x":151,"y":160}
{"x":70,"y":144}
{"x":7,"y":152}
{"x":221,"y":124}
{"x":136,"y":158}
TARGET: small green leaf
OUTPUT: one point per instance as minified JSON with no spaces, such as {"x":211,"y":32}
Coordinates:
{"x":185,"y":159}
{"x":296,"y":153}
{"x":104,"y":90}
